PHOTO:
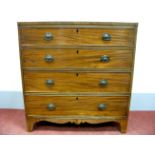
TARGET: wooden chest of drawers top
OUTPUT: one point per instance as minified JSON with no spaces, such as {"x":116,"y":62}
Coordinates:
{"x":77,"y":70}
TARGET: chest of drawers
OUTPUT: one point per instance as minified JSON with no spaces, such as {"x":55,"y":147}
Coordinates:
{"x":77,"y":72}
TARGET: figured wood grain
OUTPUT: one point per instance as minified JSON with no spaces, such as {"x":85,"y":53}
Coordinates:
{"x":76,"y":82}
{"x":120,"y":37}
{"x":77,"y":58}
{"x":77,"y":105}
{"x":76,"y":92}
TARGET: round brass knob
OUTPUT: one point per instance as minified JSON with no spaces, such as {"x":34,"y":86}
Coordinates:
{"x":49,"y":58}
{"x":49,"y":82}
{"x":106,"y":37}
{"x":103,"y":82}
{"x":105,"y":58}
{"x":48,"y":36}
{"x":102,"y":106}
{"x":51,"y":106}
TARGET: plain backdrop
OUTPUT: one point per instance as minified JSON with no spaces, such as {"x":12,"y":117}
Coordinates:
{"x":78,"y":10}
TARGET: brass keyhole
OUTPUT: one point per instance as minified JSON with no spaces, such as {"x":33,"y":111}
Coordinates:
{"x":77,"y":98}
{"x":77,"y":30}
{"x":77,"y":51}
{"x":77,"y":74}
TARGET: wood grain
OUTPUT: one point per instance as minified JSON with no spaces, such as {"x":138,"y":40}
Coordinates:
{"x":77,"y":24}
{"x":77,"y":58}
{"x":120,"y":37}
{"x":75,"y":105}
{"x":75,"y":82}
{"x":33,"y":119}
{"x":77,"y":71}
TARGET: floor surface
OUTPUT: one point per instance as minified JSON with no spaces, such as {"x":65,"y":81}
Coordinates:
{"x":12,"y":122}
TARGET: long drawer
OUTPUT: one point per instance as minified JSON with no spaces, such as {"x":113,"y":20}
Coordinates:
{"x":77,"y":58}
{"x":74,"y":36}
{"x":45,"y":81}
{"x":77,"y":105}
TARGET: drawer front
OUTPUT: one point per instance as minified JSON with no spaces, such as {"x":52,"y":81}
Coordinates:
{"x":77,"y":105}
{"x":75,"y":82}
{"x":82,"y":36}
{"x":73,"y":58}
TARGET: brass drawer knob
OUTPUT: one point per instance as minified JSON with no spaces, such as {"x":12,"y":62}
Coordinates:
{"x":105,"y":58}
{"x":102,"y":106}
{"x":48,"y":36}
{"x":51,"y":106}
{"x":103,"y":82}
{"x":106,"y":37}
{"x":49,"y":82}
{"x":49,"y":58}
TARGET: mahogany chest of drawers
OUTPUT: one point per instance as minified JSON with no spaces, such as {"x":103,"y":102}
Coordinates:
{"x":77,"y":72}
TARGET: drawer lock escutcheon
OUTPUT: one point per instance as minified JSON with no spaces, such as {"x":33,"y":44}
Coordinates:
{"x":49,"y":58}
{"x":51,"y":106}
{"x":48,"y":36}
{"x":106,"y":37}
{"x":103,"y":82}
{"x":49,"y":82}
{"x":105,"y":58}
{"x":102,"y":106}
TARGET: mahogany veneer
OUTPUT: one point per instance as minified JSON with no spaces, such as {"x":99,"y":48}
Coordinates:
{"x":77,"y":72}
